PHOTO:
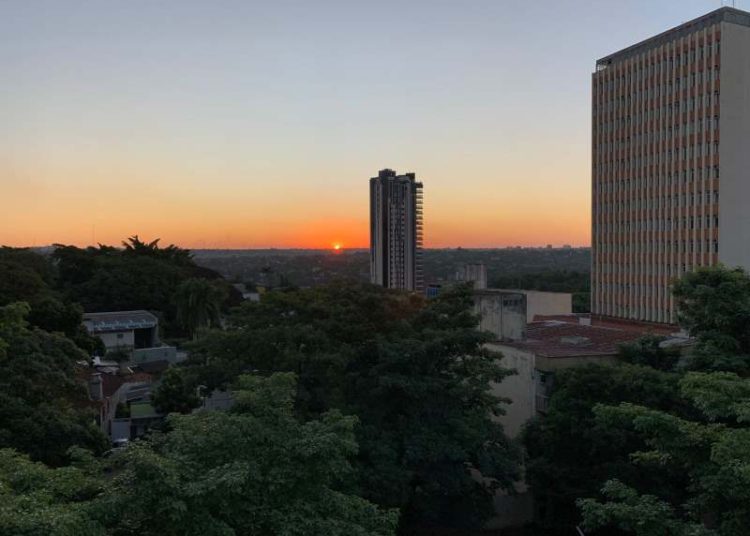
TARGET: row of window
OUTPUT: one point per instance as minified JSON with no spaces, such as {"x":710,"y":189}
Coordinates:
{"x":648,"y":66}
{"x":635,"y":270}
{"x":645,"y":314}
{"x":656,"y":182}
{"x":708,"y":245}
{"x":669,"y":132}
{"x":669,"y":156}
{"x":608,"y":105}
{"x":663,"y":225}
{"x":676,"y":200}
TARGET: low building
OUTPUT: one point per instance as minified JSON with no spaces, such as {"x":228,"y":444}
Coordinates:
{"x":502,"y":313}
{"x":114,"y":393}
{"x":132,"y":333}
{"x":550,"y":346}
{"x":476,"y":274}
{"x":540,"y":302}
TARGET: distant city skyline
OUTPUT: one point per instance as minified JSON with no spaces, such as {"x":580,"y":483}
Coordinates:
{"x":248,"y":125}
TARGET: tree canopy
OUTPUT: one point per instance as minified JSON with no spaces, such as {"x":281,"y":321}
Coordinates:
{"x":43,"y":406}
{"x":661,"y":447}
{"x":138,"y":276}
{"x":413,"y":372}
{"x":254,"y":470}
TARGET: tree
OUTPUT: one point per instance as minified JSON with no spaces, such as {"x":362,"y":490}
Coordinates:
{"x":199,"y":304}
{"x":28,"y":277}
{"x":38,"y":501}
{"x":413,"y":371}
{"x":254,"y":470}
{"x":712,"y":448}
{"x":648,"y":350}
{"x":713,"y":304}
{"x":142,"y":275}
{"x":41,"y":401}
{"x":642,"y":515}
{"x":175,"y":393}
{"x":570,"y":454}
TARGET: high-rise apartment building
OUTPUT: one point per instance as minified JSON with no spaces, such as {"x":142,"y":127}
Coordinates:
{"x":670,"y":163}
{"x":396,"y":231}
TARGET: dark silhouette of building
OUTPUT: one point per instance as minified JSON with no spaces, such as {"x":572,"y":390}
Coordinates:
{"x":396,"y":231}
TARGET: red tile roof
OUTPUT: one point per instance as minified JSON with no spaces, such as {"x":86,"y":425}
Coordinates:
{"x":554,"y":338}
{"x":644,"y":328}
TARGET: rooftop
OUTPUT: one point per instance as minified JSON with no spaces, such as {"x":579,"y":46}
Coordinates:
{"x":119,"y":321}
{"x":642,"y":327}
{"x":723,"y":14}
{"x":558,"y":339}
{"x":112,"y":382}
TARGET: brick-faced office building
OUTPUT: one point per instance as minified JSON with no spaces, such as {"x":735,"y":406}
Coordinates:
{"x":670,"y":163}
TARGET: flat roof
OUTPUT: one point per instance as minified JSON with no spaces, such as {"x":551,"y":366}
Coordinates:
{"x":723,"y":14}
{"x":119,"y":321}
{"x":557,"y":339}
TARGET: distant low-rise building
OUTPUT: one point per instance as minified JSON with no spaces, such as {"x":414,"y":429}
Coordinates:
{"x":132,"y":333}
{"x":550,"y":346}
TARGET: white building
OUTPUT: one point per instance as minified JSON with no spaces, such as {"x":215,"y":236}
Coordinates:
{"x":136,"y":333}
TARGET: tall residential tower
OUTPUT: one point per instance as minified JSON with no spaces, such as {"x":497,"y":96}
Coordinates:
{"x":396,"y":231}
{"x":670,"y":163}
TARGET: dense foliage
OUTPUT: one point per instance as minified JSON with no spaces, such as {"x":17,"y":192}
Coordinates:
{"x":255,"y":470}
{"x":43,"y":406}
{"x":714,"y":306}
{"x":570,"y":454}
{"x":661,"y":447}
{"x":28,"y":277}
{"x":414,"y":373}
{"x":711,"y":450}
{"x":137,"y":276}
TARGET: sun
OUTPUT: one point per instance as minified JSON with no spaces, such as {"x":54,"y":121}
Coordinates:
{"x":336,"y":247}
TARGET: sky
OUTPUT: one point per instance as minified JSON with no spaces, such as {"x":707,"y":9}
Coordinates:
{"x":250,"y":124}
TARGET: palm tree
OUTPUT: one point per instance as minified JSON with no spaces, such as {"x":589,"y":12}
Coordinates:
{"x":135,"y":246}
{"x":199,"y":304}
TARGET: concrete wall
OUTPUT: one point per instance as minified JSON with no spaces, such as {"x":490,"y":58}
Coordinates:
{"x":519,"y":388}
{"x":150,"y":355}
{"x":547,"y":303}
{"x":501,"y":313}
{"x":734,"y":146}
{"x":514,"y":510}
{"x":473,"y":273}
{"x":117,"y":338}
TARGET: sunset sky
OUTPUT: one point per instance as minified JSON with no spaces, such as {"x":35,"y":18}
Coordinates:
{"x":253,"y":124}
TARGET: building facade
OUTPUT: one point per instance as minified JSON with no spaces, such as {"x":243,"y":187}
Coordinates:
{"x":132,"y":333}
{"x":396,"y":231}
{"x":475,"y":273}
{"x":670,"y":163}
